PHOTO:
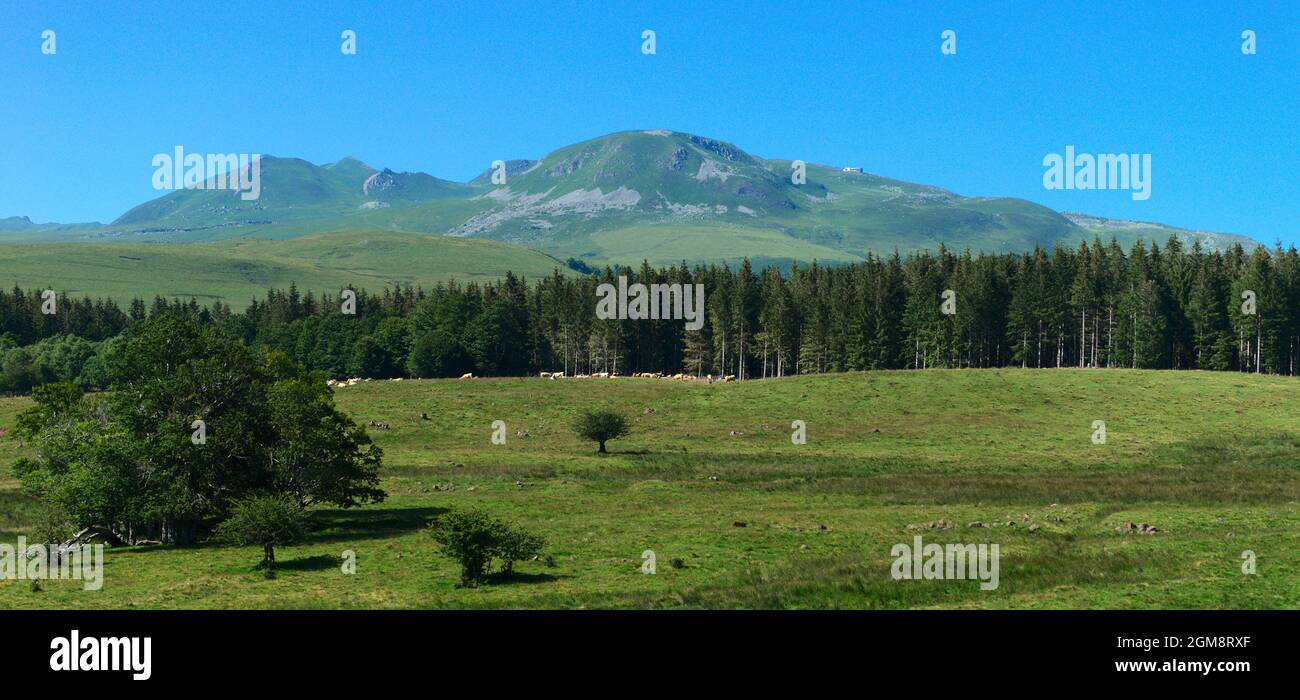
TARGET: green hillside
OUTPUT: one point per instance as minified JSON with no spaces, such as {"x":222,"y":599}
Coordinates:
{"x":711,"y":200}
{"x":235,"y":271}
{"x":709,"y":479}
{"x":291,"y":189}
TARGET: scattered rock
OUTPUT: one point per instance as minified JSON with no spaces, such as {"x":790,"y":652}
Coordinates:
{"x":975,"y":524}
{"x":1140,"y":528}
{"x":942,"y":524}
{"x":1033,"y":526}
{"x":875,"y":430}
{"x":648,"y":411}
{"x":740,"y":523}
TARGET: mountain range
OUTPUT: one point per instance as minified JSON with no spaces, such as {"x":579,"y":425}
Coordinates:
{"x":657,"y":195}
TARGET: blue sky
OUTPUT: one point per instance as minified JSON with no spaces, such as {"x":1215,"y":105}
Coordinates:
{"x":448,"y":87}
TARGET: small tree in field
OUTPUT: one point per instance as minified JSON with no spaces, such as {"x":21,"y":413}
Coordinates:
{"x":601,"y":426}
{"x":267,"y":521}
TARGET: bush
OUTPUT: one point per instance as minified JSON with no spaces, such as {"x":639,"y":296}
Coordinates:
{"x":51,"y":525}
{"x":64,"y":357}
{"x":21,"y":370}
{"x":267,"y":521}
{"x":601,"y":426}
{"x":473,"y":538}
{"x":516,"y":544}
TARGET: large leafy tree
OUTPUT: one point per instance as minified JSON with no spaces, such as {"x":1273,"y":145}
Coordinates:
{"x":193,"y":420}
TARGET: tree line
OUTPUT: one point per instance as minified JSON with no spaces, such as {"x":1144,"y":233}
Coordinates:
{"x":1097,"y":305}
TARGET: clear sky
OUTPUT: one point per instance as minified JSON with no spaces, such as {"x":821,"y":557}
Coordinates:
{"x":448,"y":87}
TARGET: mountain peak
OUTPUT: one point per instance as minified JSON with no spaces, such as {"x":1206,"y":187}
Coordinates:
{"x":653,"y":174}
{"x":16,"y":223}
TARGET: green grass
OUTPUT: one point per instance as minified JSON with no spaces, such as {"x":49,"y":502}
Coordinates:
{"x":236,"y":271}
{"x":656,"y":243}
{"x":1211,"y":459}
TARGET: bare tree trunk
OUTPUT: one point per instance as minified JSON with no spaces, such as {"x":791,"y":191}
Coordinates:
{"x":1083,"y":336}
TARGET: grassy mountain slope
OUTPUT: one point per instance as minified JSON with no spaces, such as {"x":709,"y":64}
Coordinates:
{"x":658,"y":195}
{"x":292,"y":188}
{"x":235,"y":271}
{"x":1126,"y":230}
{"x":709,"y":198}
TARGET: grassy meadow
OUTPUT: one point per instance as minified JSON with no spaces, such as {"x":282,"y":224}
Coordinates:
{"x":238,"y":270}
{"x":1212,"y":460}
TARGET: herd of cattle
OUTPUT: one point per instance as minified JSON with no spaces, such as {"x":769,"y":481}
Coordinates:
{"x":339,"y":383}
{"x":638,"y":375}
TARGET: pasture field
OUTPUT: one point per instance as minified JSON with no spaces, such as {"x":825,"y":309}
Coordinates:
{"x":1211,"y":460}
{"x":238,"y":270}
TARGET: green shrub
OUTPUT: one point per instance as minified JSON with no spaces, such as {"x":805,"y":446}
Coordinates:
{"x":516,"y":544}
{"x":474,"y":538}
{"x":267,"y":521}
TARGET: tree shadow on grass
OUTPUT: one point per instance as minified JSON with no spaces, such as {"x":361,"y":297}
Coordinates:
{"x":320,"y":562}
{"x":504,"y":579}
{"x":337,"y":525}
{"x":147,"y":548}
